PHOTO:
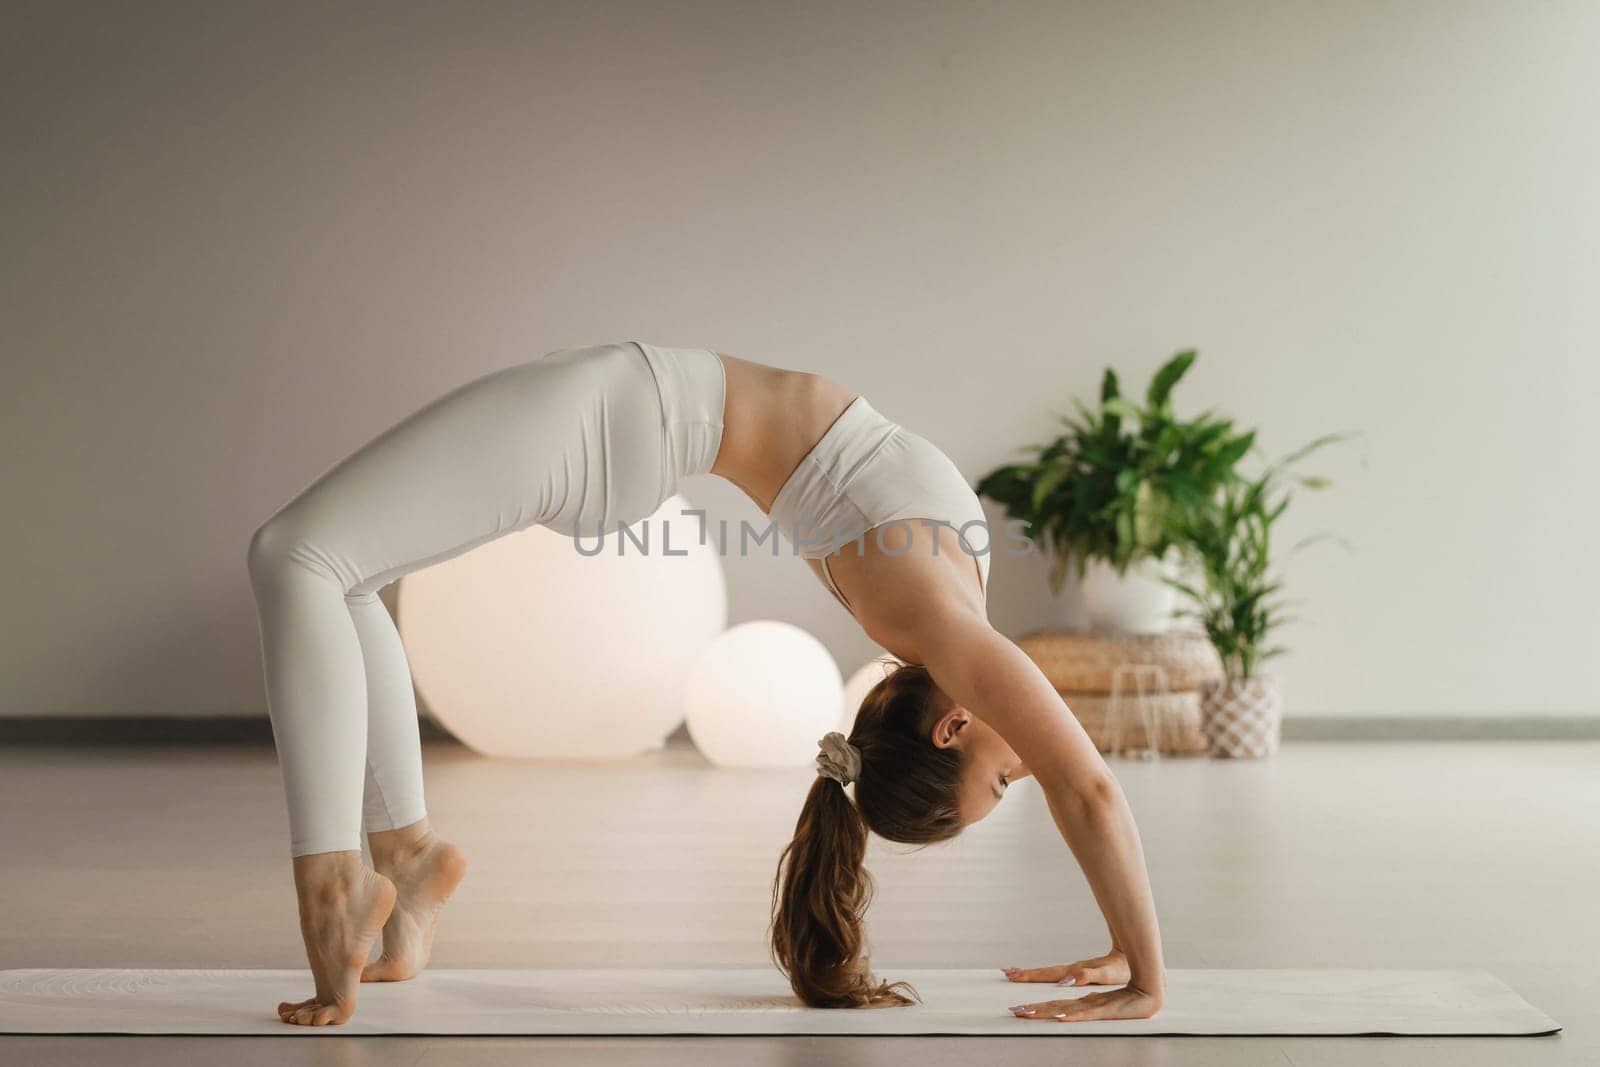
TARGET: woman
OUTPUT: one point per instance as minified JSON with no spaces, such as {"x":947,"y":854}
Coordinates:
{"x":580,"y":440}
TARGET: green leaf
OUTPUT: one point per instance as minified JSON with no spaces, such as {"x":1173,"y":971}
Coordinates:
{"x":1187,"y":589}
{"x":1011,"y":487}
{"x":1207,"y":433}
{"x":1168,"y":438}
{"x":1047,"y":483}
{"x":1109,"y":390}
{"x":1313,"y":445}
{"x":1234,"y":449}
{"x":1149,"y":508}
{"x":1167,"y":377}
{"x":1122,"y":409}
{"x":1058,"y":571}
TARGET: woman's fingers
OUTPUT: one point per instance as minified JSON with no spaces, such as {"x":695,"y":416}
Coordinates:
{"x":1036,"y":974}
{"x":1047,"y":1010}
{"x":1116,"y":1004}
{"x":1102,"y":970}
{"x":1090,"y":1007}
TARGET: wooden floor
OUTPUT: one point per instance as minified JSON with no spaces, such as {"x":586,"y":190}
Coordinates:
{"x":1333,"y":855}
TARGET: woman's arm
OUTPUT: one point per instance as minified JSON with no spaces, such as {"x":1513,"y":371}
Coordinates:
{"x":991,"y":677}
{"x":908,"y":610}
{"x":904,"y":597}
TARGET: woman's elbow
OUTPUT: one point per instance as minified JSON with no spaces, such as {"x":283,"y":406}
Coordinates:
{"x":1088,"y":799}
{"x":1100,"y":795}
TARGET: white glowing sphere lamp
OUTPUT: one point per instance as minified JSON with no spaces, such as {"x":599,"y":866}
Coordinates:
{"x":762,"y":695}
{"x":528,"y":648}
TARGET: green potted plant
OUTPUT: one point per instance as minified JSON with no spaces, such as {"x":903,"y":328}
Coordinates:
{"x":1107,"y":495}
{"x":1238,"y":600}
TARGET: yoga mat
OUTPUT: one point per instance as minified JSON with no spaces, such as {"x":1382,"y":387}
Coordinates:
{"x":756,"y":1001}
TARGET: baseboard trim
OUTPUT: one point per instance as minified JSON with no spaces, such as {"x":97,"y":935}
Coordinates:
{"x":1442,"y":728}
{"x":232,"y":730}
{"x":157,"y":730}
{"x":256,"y":730}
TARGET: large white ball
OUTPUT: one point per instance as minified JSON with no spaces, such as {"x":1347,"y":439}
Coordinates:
{"x":762,"y":695}
{"x":860,"y":684}
{"x":526,"y":648}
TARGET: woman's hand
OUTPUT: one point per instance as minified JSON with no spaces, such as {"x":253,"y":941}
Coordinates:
{"x":1110,"y":969}
{"x":1129,"y":1002}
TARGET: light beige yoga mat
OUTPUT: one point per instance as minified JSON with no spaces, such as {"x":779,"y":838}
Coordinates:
{"x":1236,"y":1002}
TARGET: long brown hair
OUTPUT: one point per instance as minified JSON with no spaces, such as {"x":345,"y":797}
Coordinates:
{"x":905,"y":792}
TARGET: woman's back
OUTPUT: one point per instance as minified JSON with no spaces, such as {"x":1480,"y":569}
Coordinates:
{"x":771,"y":419}
{"x":775,"y":419}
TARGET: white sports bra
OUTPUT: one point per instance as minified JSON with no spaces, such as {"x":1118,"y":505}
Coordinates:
{"x":866,"y":471}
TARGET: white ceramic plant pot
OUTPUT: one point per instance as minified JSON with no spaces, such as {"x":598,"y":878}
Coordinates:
{"x":1242,"y":718}
{"x":1136,"y":602}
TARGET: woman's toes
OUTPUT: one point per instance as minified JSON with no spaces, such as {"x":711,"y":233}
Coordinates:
{"x":312,"y":1013}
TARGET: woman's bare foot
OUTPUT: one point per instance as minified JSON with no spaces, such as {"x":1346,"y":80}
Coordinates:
{"x":425,"y":871}
{"x":343,"y":907}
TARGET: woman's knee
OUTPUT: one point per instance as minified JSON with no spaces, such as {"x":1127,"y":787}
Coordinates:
{"x":282,"y":543}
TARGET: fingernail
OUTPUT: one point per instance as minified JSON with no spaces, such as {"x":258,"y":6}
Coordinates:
{"x":1068,"y":981}
{"x":1023,"y":1008}
{"x":1061,"y":1017}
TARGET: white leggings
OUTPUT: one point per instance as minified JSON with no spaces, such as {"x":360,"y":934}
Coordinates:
{"x":579,"y":439}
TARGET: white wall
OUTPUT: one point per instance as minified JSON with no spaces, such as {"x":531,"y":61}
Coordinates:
{"x":239,"y":243}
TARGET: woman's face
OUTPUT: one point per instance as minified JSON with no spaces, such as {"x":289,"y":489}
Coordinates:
{"x":990,"y":762}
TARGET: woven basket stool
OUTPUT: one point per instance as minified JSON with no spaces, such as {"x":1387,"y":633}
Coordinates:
{"x":1176,"y":717}
{"x":1086,"y":662}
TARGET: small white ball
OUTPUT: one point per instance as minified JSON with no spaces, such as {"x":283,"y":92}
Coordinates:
{"x":860,"y":684}
{"x":762,"y":695}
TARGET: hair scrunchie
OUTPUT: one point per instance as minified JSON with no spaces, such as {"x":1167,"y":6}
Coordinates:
{"x":838,"y":758}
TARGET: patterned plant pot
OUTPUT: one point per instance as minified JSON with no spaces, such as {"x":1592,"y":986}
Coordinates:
{"x":1243,"y":717}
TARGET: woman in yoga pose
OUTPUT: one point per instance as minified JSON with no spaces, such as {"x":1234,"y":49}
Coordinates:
{"x":580,"y":440}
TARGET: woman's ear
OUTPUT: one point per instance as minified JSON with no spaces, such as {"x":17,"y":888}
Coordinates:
{"x":947,"y":731}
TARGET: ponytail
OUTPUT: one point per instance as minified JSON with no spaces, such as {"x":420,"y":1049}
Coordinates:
{"x":819,"y":900}
{"x":905,"y":791}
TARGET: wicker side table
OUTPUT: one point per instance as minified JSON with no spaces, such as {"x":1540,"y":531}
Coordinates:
{"x":1085,"y":661}
{"x":1085,"y":668}
{"x":1176,"y":717}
